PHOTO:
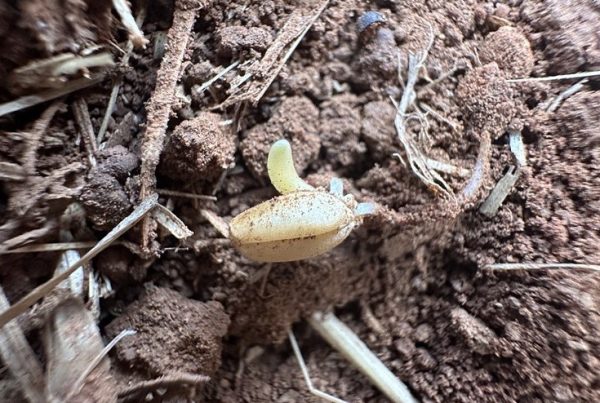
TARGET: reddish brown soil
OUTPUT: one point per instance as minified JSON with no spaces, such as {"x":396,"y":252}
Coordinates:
{"x":411,"y":282}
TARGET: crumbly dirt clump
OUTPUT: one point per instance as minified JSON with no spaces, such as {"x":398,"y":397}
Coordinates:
{"x":486,"y":100}
{"x":173,"y":334}
{"x":104,"y":196}
{"x":199,"y":149}
{"x":510,"y":49}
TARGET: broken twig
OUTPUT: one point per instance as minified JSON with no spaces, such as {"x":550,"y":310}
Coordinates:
{"x":82,"y":117}
{"x":161,"y":102}
{"x":31,"y":100}
{"x":492,"y":204}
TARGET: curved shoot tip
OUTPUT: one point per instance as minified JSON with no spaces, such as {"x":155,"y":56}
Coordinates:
{"x":282,"y":172}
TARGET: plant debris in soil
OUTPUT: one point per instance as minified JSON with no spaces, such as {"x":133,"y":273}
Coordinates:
{"x":204,"y":89}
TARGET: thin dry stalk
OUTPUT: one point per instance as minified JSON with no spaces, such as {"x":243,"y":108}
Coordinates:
{"x":447,"y":168}
{"x":78,"y":384}
{"x":543,"y":266}
{"x":49,"y":247}
{"x":12,"y":172}
{"x":35,"y":135}
{"x":582,"y":74}
{"x":492,"y":204}
{"x":160,"y":104}
{"x":114,"y":92}
{"x":75,"y":282}
{"x":438,"y":116}
{"x":109,"y":109}
{"x":269,"y":67}
{"x":305,"y":374}
{"x":174,"y":193}
{"x":42,"y":290}
{"x":78,"y":63}
{"x":20,"y":359}
{"x":217,"y":222}
{"x":31,"y":100}
{"x":200,"y":89}
{"x":82,"y":117}
{"x":480,"y":170}
{"x":347,"y":343}
{"x":136,"y":36}
{"x":168,"y":220}
{"x":175,"y":379}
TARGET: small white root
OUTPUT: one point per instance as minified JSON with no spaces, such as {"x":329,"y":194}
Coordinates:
{"x":415,"y":157}
{"x":575,"y":88}
{"x":347,"y":343}
{"x":304,"y":370}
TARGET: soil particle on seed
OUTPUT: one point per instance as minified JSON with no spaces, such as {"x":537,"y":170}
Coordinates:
{"x":486,"y":100}
{"x":174,"y":333}
{"x":295,"y":119}
{"x":199,"y":149}
{"x":510,"y":49}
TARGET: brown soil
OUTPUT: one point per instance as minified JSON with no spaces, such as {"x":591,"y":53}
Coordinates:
{"x":411,"y":282}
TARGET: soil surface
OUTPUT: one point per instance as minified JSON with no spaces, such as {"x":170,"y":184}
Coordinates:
{"x":413,"y":281}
